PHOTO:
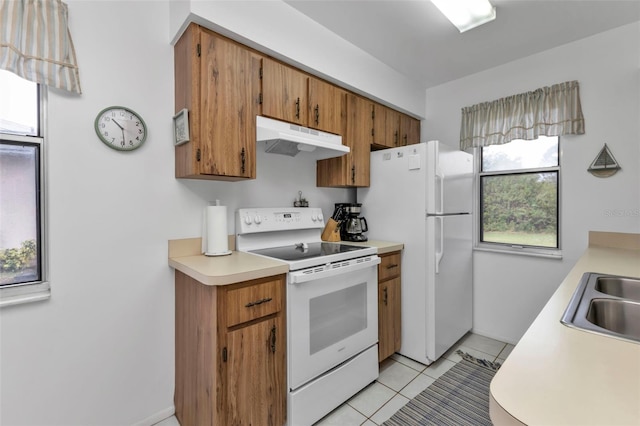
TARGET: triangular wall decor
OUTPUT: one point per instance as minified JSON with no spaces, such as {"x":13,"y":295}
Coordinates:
{"x":605,"y":164}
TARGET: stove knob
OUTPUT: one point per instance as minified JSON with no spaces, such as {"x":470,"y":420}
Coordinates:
{"x":247,"y":220}
{"x":257,"y":219}
{"x":320,"y":217}
{"x":314,"y":217}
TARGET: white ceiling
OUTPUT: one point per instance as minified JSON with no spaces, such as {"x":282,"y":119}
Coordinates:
{"x":414,"y":38}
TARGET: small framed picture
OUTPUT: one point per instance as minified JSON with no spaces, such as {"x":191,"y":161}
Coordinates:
{"x":181,"y":127}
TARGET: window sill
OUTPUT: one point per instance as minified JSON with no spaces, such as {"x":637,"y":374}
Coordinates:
{"x":25,"y":293}
{"x":525,"y":251}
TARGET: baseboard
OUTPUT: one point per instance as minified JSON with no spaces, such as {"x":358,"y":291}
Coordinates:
{"x":493,"y":336}
{"x":157,"y":417}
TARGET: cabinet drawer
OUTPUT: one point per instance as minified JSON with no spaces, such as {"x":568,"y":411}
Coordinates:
{"x":253,"y":301}
{"x":389,"y":266}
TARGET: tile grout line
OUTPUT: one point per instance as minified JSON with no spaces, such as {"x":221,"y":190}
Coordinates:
{"x":396,"y":393}
{"x":422,"y":371}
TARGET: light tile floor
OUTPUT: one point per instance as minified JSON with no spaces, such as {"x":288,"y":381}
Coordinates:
{"x":400,"y":380}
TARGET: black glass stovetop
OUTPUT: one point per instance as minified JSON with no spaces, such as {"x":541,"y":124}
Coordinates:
{"x":310,"y":250}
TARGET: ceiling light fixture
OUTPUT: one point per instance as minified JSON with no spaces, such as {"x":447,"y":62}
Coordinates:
{"x":466,"y":14}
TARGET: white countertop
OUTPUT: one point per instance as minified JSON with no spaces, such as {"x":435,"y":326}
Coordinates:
{"x":557,"y":375}
{"x":382,"y":246}
{"x":185,"y":256}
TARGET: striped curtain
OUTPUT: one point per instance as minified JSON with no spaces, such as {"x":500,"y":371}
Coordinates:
{"x":549,"y":111}
{"x":35,"y":43}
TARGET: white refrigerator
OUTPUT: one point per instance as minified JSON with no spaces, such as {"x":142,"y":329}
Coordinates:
{"x":421,"y":195}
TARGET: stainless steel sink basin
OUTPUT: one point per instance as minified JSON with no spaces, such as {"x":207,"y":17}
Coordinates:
{"x":626,"y":288}
{"x":618,"y":316}
{"x":606,"y":304}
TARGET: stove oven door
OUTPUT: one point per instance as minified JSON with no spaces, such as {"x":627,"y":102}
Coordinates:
{"x":332,"y":316}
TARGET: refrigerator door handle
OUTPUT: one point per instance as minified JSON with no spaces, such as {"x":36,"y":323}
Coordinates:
{"x":440,"y":250}
{"x":440,"y":179}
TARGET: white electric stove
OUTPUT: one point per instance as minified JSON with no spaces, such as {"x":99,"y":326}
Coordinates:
{"x":332,"y":299}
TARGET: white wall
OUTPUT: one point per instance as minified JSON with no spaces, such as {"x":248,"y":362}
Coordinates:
{"x":510,"y":290}
{"x":101,"y":350}
{"x":278,"y":29}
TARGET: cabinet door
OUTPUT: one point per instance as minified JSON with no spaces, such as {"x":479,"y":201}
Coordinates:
{"x":386,"y":127}
{"x":388,"y":318}
{"x":187,"y":90}
{"x":350,"y":170}
{"x":357,"y":136}
{"x":325,"y":106}
{"x":409,"y":130}
{"x":256,"y":377}
{"x":230,"y":88}
{"x":284,"y":92}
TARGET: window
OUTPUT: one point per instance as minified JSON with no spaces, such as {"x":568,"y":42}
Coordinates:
{"x":519,"y":197}
{"x":22,"y":271}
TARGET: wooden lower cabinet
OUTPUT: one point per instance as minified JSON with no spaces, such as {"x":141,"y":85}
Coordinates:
{"x":389,"y":305}
{"x":230,"y":372}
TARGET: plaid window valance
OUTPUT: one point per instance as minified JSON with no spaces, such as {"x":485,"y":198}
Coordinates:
{"x":549,"y":111}
{"x":35,"y":43}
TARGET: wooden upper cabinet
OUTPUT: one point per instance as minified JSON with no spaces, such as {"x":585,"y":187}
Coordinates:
{"x":392,"y":128}
{"x":295,"y":97}
{"x":218,"y":81}
{"x":224,"y":85}
{"x":325,"y":106}
{"x":284,"y":92}
{"x":357,"y":134}
{"x":352,"y":169}
{"x":386,"y":127}
{"x":409,"y":130}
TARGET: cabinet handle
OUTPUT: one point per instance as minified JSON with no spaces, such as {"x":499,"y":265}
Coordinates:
{"x":258,"y":302}
{"x":393,"y":265}
{"x":272,"y":339}
{"x":298,"y":108}
{"x":386,"y":296}
{"x":243,"y":159}
{"x":404,"y":140}
{"x":353,"y":174}
{"x":317,"y":110}
{"x":395,"y":138}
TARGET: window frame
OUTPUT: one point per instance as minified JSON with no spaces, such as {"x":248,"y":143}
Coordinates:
{"x":34,"y":291}
{"x":539,"y":251}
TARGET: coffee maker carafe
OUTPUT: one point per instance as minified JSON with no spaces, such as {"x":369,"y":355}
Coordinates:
{"x":352,"y":225}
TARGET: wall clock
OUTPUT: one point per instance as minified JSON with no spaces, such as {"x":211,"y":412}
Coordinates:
{"x":121,"y":128}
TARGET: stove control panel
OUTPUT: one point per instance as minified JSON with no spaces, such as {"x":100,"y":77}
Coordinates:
{"x":278,"y":219}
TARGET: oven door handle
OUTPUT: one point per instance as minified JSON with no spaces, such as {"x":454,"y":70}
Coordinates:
{"x":312,"y":274}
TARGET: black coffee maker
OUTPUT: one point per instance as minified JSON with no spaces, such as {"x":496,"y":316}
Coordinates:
{"x":352,"y":225}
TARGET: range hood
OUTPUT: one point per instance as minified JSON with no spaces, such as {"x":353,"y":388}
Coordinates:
{"x":290,"y":139}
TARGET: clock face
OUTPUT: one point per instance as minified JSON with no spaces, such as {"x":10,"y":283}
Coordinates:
{"x":121,"y":128}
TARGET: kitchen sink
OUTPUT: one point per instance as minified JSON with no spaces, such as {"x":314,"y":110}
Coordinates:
{"x":607,"y":305}
{"x":618,"y":316}
{"x":626,"y":288}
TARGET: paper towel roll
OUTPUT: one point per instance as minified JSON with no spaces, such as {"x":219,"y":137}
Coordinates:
{"x":217,"y":243}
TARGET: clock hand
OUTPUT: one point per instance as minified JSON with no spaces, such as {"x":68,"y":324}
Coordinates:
{"x":117,"y":124}
{"x":121,"y":128}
